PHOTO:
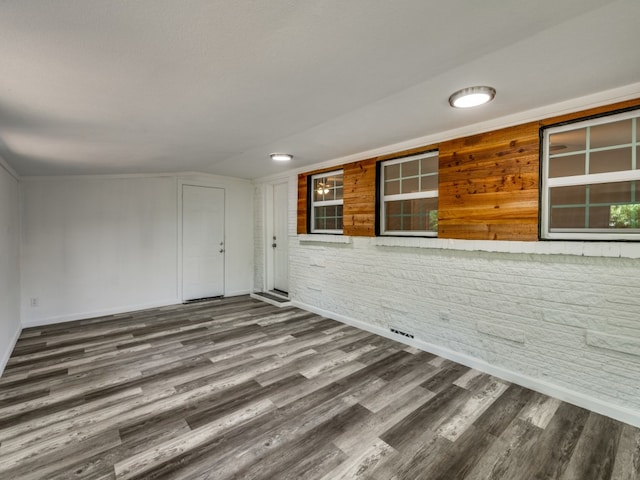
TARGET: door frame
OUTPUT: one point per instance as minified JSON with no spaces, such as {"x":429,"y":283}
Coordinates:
{"x":180,"y":183}
{"x":268,"y":280}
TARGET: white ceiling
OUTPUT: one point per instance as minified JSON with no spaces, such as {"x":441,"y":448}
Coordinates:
{"x":146,"y":86}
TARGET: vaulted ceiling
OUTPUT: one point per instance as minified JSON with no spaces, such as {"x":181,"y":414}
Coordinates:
{"x":147,"y":86}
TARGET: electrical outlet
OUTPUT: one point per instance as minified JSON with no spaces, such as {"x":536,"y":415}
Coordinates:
{"x":33,"y":301}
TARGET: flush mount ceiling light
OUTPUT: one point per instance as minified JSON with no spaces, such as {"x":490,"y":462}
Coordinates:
{"x":472,"y":97}
{"x":281,"y":157}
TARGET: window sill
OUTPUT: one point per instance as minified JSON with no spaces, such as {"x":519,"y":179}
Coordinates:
{"x":324,"y":238}
{"x":583,"y":249}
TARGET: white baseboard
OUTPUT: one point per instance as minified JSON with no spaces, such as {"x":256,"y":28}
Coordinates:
{"x":39,"y":322}
{"x":617,"y":412}
{"x":238,"y":293}
{"x":7,"y":353}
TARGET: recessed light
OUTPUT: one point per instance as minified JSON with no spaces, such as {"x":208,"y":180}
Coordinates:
{"x":472,"y":97}
{"x":281,"y":157}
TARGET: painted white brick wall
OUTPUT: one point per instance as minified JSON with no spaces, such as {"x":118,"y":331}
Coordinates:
{"x":570,"y":321}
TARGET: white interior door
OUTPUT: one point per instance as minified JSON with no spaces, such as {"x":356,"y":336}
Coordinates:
{"x":202,"y":242}
{"x":280,"y":236}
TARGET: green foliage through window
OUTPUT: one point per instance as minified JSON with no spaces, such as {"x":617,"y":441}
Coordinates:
{"x":625,"y":216}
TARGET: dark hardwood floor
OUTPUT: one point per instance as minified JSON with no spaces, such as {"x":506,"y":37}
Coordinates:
{"x":238,"y":389}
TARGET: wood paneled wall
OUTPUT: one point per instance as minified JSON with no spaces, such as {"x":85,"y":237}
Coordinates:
{"x":302,"y":203}
{"x":360,"y":198}
{"x":488,"y":183}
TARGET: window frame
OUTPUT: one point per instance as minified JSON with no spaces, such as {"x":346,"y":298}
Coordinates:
{"x":383,"y":199}
{"x":324,"y":203}
{"x":631,"y":175}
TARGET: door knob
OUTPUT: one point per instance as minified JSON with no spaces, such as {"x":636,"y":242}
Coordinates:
{"x":274,"y":245}
{"x":222,"y":250}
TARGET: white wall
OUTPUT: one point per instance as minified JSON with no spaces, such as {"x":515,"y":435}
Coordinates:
{"x":9,"y":265}
{"x":98,"y":245}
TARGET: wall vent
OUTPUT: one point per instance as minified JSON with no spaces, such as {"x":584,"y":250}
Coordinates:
{"x":400,"y":332}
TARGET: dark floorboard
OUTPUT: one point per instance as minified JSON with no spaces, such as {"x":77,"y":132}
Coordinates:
{"x":238,"y":389}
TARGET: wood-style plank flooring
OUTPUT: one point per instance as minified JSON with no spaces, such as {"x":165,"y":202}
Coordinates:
{"x":239,"y":389}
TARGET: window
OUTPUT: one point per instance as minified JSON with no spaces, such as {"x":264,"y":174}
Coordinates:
{"x":591,"y":179}
{"x":326,"y":202}
{"x":409,"y":195}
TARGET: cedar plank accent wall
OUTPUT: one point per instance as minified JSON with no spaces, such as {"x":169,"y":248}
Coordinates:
{"x":360,"y":198}
{"x":488,"y":183}
{"x":302,"y":203}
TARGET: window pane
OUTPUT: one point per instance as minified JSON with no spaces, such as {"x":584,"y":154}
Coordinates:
{"x":413,"y":176}
{"x":565,"y":142}
{"x":609,"y":205}
{"x":610,"y":160}
{"x":429,"y":165}
{"x":568,"y":195}
{"x":393,"y":222}
{"x":413,"y":220}
{"x":319,"y":189}
{"x":331,"y":223}
{"x":394,"y":208}
{"x":334,"y":184}
{"x":410,"y":169}
{"x":608,"y":145}
{"x":328,"y":218}
{"x":619,"y":192}
{"x":412,"y":215}
{"x":616,"y":133}
{"x":410,"y":185}
{"x":392,"y":171}
{"x":429,"y":182}
{"x":624,"y":216}
{"x":319,"y":218}
{"x":568,"y":217}
{"x":599,"y":217}
{"x":567,"y":166}
{"x":392,"y":188}
{"x":327,"y":188}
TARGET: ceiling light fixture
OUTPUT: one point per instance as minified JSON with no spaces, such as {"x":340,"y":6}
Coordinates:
{"x":281,"y":157}
{"x":323,"y":189}
{"x":472,"y":97}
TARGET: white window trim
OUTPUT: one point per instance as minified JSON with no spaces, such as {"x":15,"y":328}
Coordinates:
{"x":325,"y":203}
{"x":589,"y":179}
{"x":404,"y":196}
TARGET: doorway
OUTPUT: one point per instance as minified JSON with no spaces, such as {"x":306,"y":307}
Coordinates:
{"x":202,"y":242}
{"x":279,"y":240}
